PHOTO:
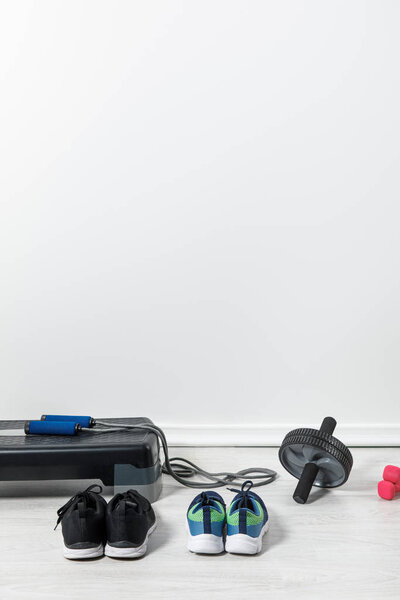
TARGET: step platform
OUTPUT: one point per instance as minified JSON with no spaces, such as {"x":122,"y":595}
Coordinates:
{"x":123,"y":459}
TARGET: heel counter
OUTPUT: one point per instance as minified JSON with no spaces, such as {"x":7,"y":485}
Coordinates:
{"x":195,"y":522}
{"x":217,"y":520}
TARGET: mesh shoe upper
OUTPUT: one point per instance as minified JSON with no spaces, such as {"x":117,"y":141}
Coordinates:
{"x":83,"y":519}
{"x":206,"y":514}
{"x":247,"y":513}
{"x":129,"y":518}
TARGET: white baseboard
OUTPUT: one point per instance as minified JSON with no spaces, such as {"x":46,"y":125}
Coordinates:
{"x":380,"y":434}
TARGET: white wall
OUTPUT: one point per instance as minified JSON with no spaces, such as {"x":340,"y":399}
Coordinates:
{"x":200,"y":210}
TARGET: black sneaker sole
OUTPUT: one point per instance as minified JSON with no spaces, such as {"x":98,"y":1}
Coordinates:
{"x":83,"y":553}
{"x":129,"y":552}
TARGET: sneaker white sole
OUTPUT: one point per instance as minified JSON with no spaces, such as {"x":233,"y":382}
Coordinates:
{"x":240,"y":543}
{"x":204,"y":543}
{"x":82,"y":553}
{"x":132,"y":552}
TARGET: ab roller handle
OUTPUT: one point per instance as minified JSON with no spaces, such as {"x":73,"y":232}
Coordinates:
{"x":310,"y":471}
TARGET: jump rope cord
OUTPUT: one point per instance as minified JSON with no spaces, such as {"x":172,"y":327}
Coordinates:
{"x":181,"y":468}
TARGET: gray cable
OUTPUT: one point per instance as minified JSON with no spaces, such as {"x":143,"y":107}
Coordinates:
{"x":181,"y":468}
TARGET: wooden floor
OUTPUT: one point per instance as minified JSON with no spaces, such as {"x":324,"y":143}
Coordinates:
{"x":343,"y":544}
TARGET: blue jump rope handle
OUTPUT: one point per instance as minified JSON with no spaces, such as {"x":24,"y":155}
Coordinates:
{"x":82,"y":421}
{"x":51,"y":427}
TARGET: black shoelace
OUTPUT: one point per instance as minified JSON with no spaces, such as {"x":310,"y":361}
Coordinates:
{"x":245,"y":499}
{"x":204,"y":499}
{"x":84,"y":496}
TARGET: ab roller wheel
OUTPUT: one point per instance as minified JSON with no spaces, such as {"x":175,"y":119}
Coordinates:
{"x":315,"y":457}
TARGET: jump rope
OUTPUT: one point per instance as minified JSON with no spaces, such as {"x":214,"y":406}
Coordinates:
{"x":181,"y":469}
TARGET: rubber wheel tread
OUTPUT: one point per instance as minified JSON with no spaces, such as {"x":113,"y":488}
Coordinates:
{"x":316,"y":433}
{"x":315,"y":438}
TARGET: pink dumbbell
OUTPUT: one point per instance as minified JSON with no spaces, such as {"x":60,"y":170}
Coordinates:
{"x":391,"y":473}
{"x":390,"y":486}
{"x":387,"y":490}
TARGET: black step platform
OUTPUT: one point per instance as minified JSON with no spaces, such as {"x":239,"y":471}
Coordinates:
{"x":124,"y":459}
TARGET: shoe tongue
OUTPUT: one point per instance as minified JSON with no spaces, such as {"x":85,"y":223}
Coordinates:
{"x":209,"y":502}
{"x":130,"y":503}
{"x":82,"y":508}
{"x":208,"y":499}
{"x":246,"y":502}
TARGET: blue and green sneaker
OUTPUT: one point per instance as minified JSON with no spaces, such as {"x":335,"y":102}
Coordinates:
{"x":247,"y":521}
{"x":205,"y":523}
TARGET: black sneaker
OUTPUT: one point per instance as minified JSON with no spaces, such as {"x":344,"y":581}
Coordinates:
{"x":83,"y":524}
{"x":130,"y":521}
